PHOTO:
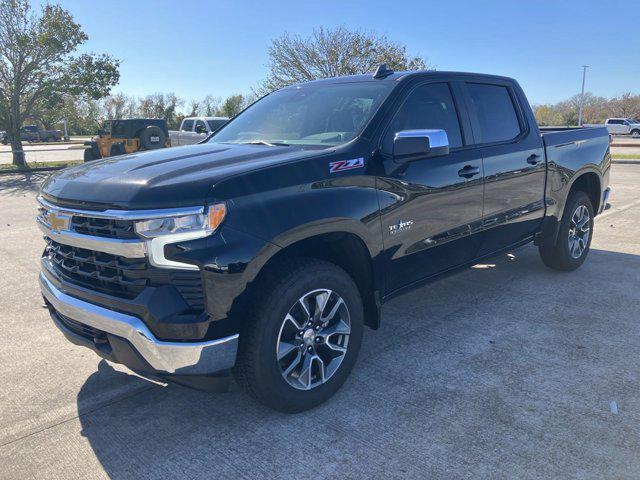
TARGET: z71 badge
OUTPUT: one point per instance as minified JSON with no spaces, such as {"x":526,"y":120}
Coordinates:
{"x":342,"y":165}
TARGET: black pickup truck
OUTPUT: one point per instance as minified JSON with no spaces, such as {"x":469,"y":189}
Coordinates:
{"x":265,"y":250}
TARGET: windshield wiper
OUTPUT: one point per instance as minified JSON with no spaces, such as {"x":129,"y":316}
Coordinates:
{"x":264,"y":142}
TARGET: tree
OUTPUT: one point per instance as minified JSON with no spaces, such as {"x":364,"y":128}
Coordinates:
{"x":37,"y":62}
{"x":119,"y":106}
{"x":333,"y":52}
{"x":232,"y":106}
{"x":626,"y":105}
{"x":161,"y":105}
{"x":211,"y":105}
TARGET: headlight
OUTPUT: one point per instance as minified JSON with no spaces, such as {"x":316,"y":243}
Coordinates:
{"x":205,"y":223}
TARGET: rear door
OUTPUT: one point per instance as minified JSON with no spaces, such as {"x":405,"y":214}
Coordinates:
{"x":431,"y":207}
{"x":615,"y":126}
{"x":513,"y":157}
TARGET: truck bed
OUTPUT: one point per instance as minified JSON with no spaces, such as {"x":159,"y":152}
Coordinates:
{"x":572,"y":146}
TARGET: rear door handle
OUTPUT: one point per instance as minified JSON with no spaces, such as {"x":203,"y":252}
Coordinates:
{"x":533,"y":159}
{"x":468,"y":171}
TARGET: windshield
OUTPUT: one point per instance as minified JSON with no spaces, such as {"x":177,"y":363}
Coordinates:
{"x":216,"y":124}
{"x":313,"y":115}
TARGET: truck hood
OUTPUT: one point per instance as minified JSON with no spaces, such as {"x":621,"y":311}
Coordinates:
{"x":170,"y":177}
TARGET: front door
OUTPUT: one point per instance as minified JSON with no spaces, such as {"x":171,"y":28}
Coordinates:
{"x":431,"y":207}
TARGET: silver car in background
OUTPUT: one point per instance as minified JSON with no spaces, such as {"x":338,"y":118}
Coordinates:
{"x":195,"y":129}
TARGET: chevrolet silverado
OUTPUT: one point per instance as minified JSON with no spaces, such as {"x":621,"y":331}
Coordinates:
{"x":266,"y":250}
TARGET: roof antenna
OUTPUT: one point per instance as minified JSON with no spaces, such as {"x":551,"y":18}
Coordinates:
{"x":382,"y":71}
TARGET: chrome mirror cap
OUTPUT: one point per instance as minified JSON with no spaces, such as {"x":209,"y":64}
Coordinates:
{"x":411,"y":145}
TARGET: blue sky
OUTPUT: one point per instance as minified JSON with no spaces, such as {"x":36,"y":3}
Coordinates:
{"x":220,"y":48}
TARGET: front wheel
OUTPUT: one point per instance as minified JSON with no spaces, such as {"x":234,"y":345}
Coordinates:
{"x":574,"y":237}
{"x":88,"y":154}
{"x":303,"y":338}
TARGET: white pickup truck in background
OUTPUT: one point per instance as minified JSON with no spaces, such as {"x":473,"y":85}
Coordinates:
{"x":623,"y":126}
{"x":195,"y":129}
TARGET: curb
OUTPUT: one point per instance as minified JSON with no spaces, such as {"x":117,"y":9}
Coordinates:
{"x":631,"y":161}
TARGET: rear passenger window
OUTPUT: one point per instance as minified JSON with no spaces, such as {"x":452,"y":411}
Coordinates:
{"x":497,"y":117}
{"x":187,"y":125}
{"x":427,"y":107}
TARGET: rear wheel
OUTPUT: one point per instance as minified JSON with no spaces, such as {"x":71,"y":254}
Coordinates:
{"x":303,"y":339}
{"x":574,"y":237}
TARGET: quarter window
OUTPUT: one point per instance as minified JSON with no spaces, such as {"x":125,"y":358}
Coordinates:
{"x":429,"y":106}
{"x":496,"y":114}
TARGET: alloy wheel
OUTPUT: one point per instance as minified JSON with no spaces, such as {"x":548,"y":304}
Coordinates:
{"x":313,"y":339}
{"x":579,"y":231}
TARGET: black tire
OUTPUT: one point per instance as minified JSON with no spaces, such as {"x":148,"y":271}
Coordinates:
{"x":635,"y":133}
{"x":258,"y":369}
{"x":560,"y":256}
{"x":88,"y":155}
{"x":152,"y":137}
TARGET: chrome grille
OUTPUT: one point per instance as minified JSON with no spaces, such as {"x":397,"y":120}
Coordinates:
{"x":103,"y":227}
{"x":119,"y":276}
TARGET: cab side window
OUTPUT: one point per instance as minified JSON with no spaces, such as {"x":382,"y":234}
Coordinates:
{"x":428,"y":106}
{"x":497,"y":117}
{"x":200,"y":127}
{"x":187,"y":126}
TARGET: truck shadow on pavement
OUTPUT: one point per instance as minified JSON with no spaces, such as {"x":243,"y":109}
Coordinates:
{"x":507,"y":369}
{"x":22,"y":183}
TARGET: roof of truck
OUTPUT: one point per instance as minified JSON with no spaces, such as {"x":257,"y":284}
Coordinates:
{"x":397,"y":76}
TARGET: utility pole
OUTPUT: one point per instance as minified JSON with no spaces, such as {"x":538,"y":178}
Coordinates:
{"x":66,"y":135}
{"x":584,"y":74}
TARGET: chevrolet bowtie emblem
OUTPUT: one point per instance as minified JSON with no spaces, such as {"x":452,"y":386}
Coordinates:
{"x":58,"y":221}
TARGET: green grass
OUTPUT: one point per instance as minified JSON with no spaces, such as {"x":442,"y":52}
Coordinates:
{"x":4,"y":168}
{"x":625,"y":156}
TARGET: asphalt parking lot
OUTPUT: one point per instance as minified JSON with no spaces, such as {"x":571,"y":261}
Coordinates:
{"x":507,"y":370}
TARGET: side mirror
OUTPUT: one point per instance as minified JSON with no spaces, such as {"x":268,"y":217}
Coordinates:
{"x":411,"y":145}
{"x":201,"y":129}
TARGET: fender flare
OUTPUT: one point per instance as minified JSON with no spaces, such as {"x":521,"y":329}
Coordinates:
{"x":552,"y":223}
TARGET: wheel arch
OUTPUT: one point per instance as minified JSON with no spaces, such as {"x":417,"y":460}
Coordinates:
{"x":341,"y":247}
{"x":588,"y":182}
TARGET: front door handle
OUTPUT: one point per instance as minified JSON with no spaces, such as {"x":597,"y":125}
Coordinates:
{"x":468,"y":171}
{"x":533,"y":159}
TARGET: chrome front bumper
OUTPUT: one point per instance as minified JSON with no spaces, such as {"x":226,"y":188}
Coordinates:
{"x":182,"y":358}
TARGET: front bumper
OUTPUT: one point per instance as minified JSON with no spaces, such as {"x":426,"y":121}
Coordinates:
{"x":604,"y":201}
{"x":160,"y":358}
